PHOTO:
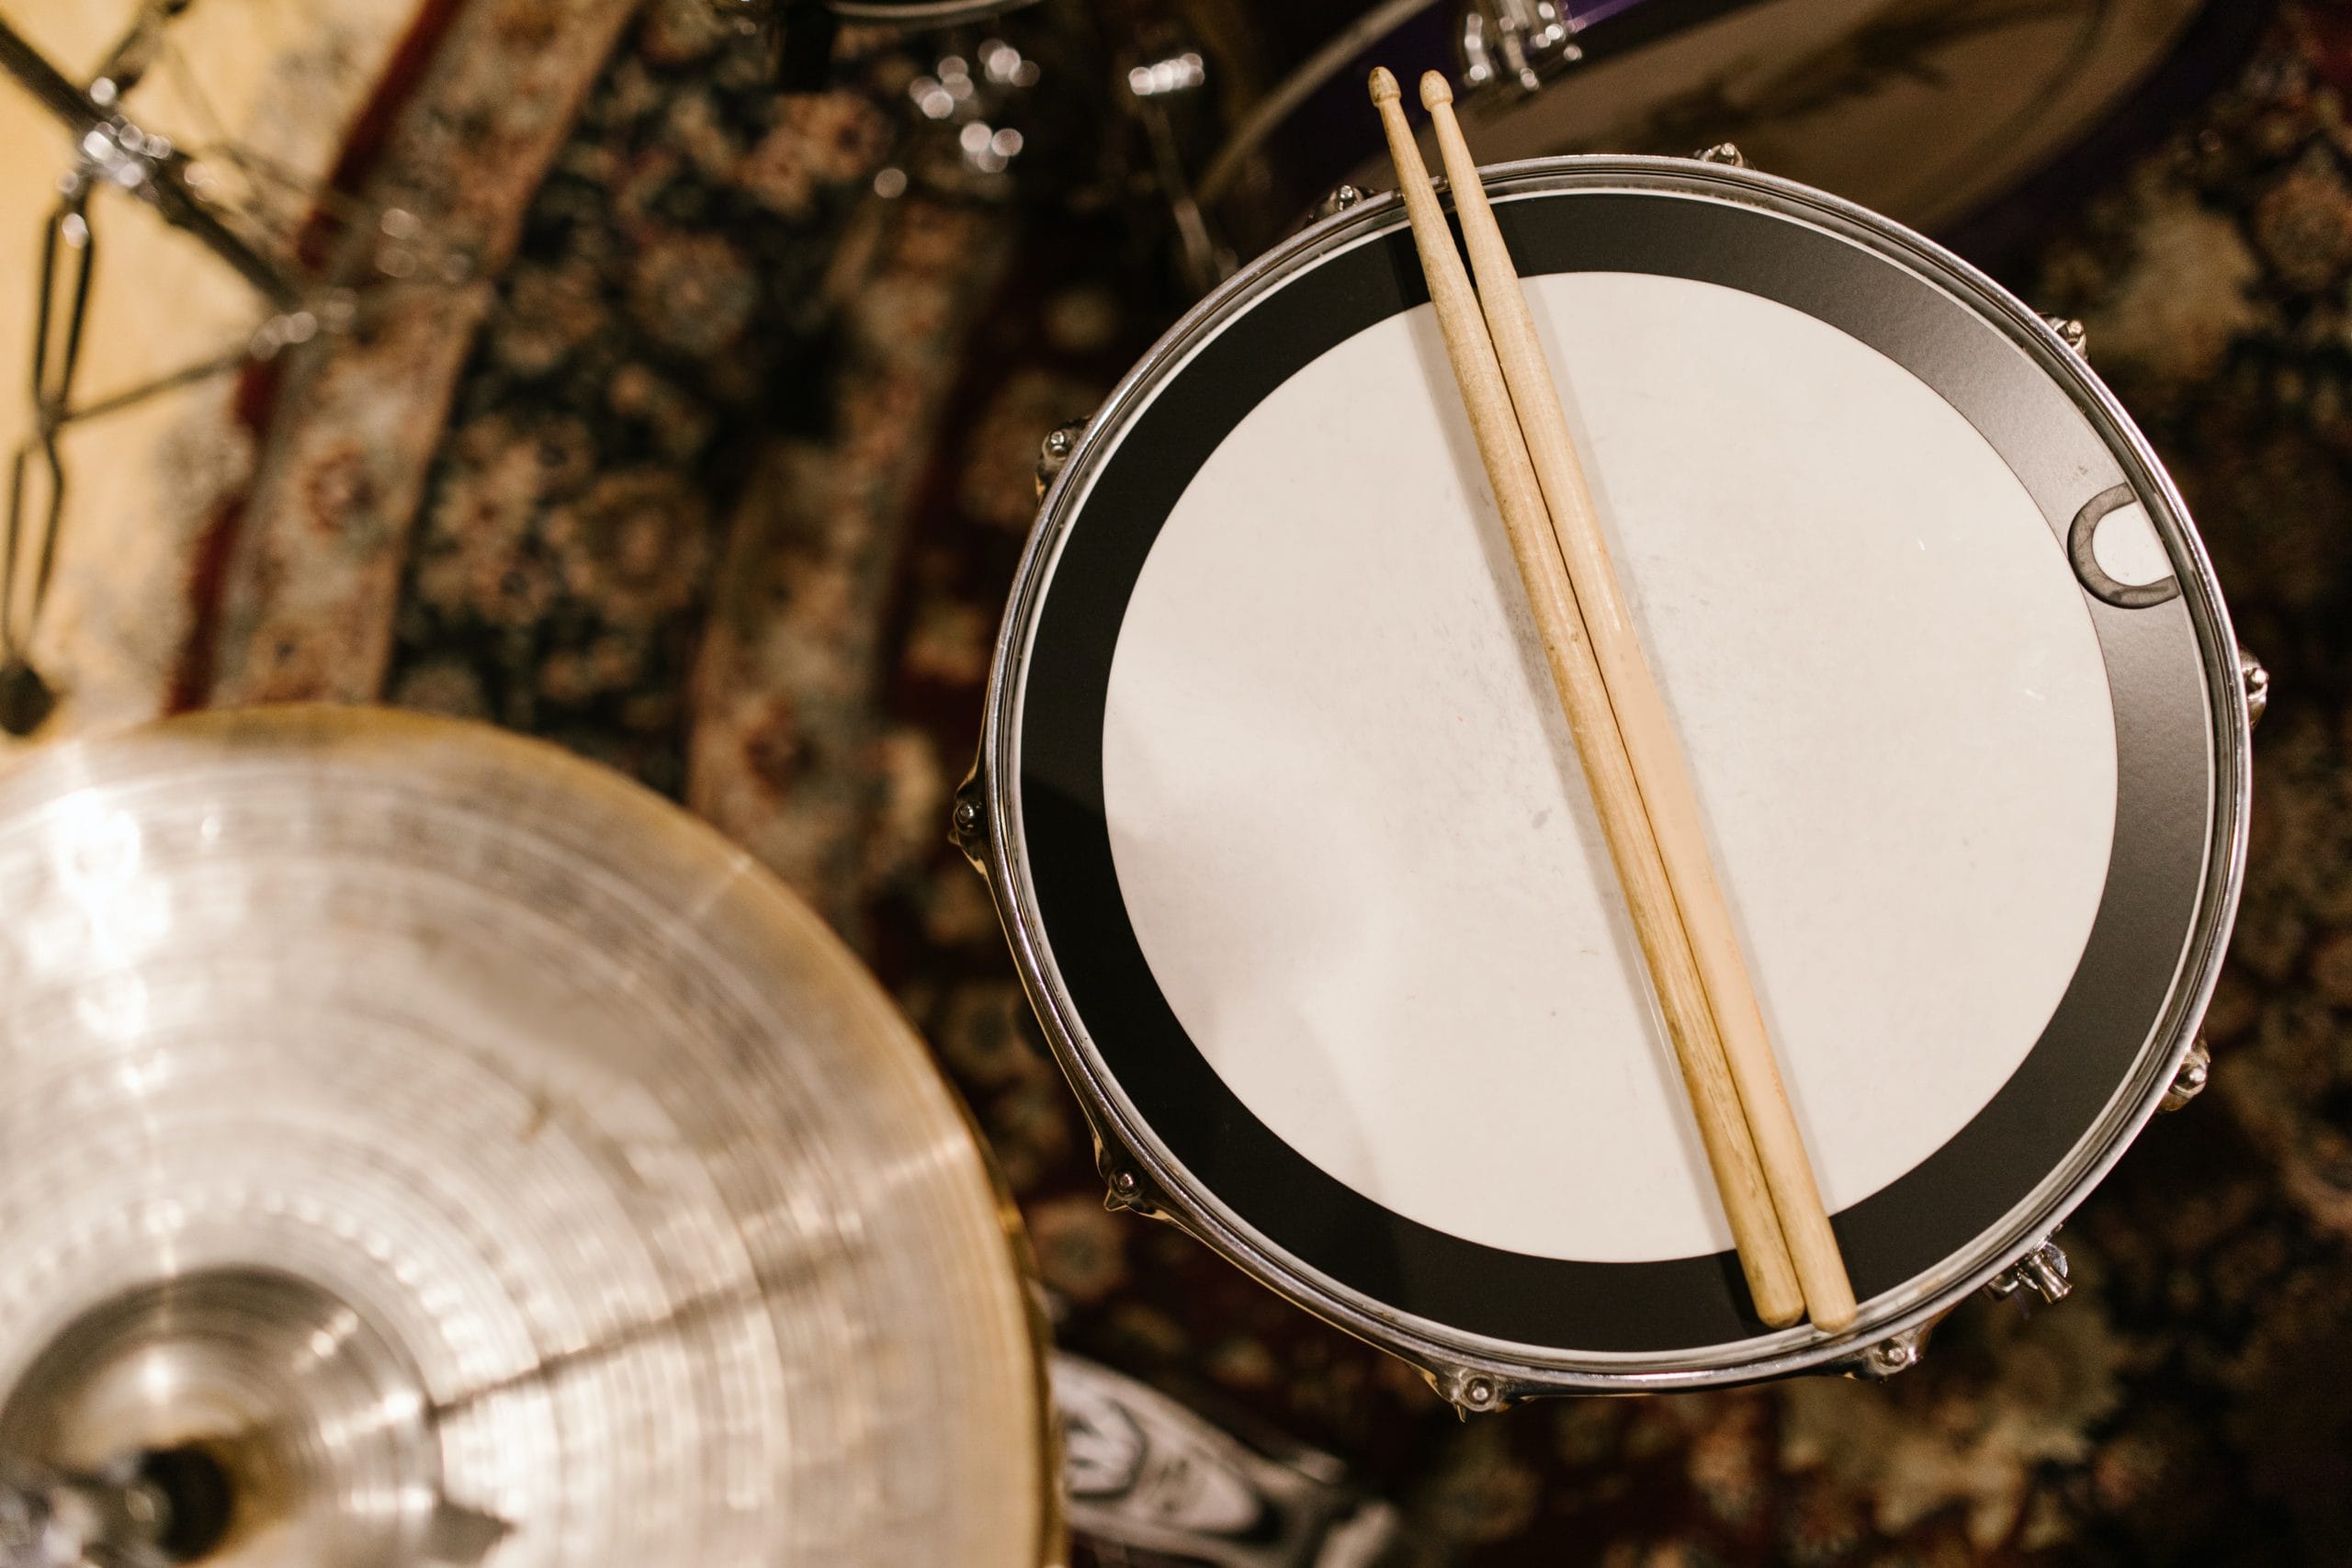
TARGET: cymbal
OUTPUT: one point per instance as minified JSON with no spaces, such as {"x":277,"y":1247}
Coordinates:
{"x":419,"y":1146}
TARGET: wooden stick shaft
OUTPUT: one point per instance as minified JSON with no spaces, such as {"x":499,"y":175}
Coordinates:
{"x":1656,"y":754}
{"x":1714,"y":1099}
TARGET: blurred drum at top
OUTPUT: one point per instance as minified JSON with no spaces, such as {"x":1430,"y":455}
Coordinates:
{"x":1938,"y":113}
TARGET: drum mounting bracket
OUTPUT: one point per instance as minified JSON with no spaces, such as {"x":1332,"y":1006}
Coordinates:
{"x":1514,"y":44}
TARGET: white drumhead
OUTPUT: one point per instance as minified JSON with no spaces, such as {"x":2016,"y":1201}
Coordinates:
{"x":1356,"y":847}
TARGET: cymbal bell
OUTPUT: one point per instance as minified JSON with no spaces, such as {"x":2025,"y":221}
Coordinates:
{"x":420,"y":1146}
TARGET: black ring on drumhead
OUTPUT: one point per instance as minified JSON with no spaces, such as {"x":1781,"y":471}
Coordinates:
{"x":2118,"y":995}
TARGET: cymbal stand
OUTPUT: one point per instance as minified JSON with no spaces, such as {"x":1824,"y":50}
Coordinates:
{"x":111,"y":151}
{"x":52,"y":1520}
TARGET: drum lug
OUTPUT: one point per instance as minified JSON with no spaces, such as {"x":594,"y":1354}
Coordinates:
{"x":1894,"y":1354}
{"x":1123,"y":1188}
{"x":2255,"y":682}
{"x":1340,"y":200}
{"x":2072,"y":334}
{"x":967,"y":821}
{"x":1469,"y":1391}
{"x":1721,"y":152}
{"x":1054,"y":452}
{"x":2196,"y":1070}
{"x":2042,"y":1271}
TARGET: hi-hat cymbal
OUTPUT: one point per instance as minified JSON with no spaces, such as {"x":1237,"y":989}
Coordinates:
{"x":419,"y":1146}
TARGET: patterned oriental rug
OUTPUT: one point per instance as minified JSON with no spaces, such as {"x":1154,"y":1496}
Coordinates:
{"x":712,"y":461}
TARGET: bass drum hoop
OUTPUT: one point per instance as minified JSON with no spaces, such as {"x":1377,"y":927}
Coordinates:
{"x":922,"y":13}
{"x":1474,"y":1370}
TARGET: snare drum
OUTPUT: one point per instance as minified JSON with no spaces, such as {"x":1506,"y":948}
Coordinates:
{"x":1293,"y":851}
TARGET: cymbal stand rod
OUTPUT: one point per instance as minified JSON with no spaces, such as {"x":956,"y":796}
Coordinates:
{"x":57,"y":354}
{"x":55,"y":90}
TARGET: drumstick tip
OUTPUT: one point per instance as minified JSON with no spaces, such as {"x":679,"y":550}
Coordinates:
{"x":1435,"y":89}
{"x":1383,"y":86}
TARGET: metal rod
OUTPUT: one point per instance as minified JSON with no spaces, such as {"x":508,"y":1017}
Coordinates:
{"x":203,"y":369}
{"x":56,"y":92}
{"x":168,"y":190}
{"x":53,"y":400}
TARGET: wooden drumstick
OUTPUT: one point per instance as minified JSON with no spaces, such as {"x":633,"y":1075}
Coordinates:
{"x":1584,"y":697}
{"x":1658,"y":766}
